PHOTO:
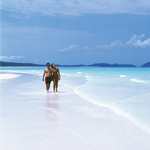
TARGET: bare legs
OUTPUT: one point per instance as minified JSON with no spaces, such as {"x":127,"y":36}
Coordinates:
{"x":47,"y":87}
{"x":55,"y":85}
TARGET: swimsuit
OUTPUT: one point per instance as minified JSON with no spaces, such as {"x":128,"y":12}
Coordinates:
{"x":57,"y":74}
{"x":47,"y":80}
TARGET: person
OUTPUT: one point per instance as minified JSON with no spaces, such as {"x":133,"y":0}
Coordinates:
{"x":56,"y":77}
{"x":47,"y":74}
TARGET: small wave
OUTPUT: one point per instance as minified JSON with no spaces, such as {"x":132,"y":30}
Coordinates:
{"x":79,"y":72}
{"x":23,"y":72}
{"x":8,"y":76}
{"x":136,"y":80}
{"x":122,"y":76}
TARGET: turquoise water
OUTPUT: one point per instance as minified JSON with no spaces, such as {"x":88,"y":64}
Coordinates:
{"x":126,"y":91}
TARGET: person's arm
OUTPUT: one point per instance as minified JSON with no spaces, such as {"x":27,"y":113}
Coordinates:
{"x":43,"y":75}
{"x":58,"y":74}
{"x":52,"y":70}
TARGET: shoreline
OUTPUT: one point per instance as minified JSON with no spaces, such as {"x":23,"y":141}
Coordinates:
{"x":62,"y":120}
{"x":118,"y":111}
{"x":8,"y":76}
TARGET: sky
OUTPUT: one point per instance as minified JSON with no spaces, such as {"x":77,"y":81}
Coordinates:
{"x":71,"y":32}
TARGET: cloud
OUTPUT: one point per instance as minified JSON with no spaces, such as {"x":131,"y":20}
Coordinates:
{"x":69,"y":49}
{"x":137,"y":42}
{"x":134,"y":41}
{"x":9,"y":29}
{"x":117,"y":43}
{"x":77,"y":7}
{"x":9,"y":58}
{"x":72,"y":48}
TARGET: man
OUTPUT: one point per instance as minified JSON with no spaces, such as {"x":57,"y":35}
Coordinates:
{"x":48,"y":73}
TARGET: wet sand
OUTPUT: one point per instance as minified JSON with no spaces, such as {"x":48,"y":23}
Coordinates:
{"x":31,"y":119}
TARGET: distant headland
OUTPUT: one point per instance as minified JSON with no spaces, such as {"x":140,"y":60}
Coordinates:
{"x":146,"y":64}
{"x":13,"y":64}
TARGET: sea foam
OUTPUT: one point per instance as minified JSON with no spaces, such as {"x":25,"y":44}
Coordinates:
{"x":122,"y":76}
{"x":8,"y":76}
{"x":136,"y":80}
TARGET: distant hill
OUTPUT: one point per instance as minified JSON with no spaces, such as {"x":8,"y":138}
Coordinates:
{"x":13,"y":64}
{"x":112,"y":65}
{"x":71,"y":65}
{"x":146,"y":64}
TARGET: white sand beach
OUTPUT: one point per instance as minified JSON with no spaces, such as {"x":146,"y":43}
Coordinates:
{"x":32,"y":119}
{"x":8,"y":76}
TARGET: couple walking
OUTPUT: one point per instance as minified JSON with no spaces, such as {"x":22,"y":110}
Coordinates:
{"x":51,"y":74}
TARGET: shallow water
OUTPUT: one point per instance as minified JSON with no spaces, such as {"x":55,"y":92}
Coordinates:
{"x":126,"y":91}
{"x":123,"y":90}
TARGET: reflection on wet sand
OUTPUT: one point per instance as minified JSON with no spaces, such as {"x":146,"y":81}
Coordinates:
{"x":51,"y":106}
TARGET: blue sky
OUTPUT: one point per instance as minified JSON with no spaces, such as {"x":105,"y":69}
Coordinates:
{"x":75,"y":31}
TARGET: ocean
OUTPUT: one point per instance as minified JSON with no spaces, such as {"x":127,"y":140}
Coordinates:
{"x":126,"y":91}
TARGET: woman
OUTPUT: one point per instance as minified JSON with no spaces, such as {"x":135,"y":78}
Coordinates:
{"x":56,"y":77}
